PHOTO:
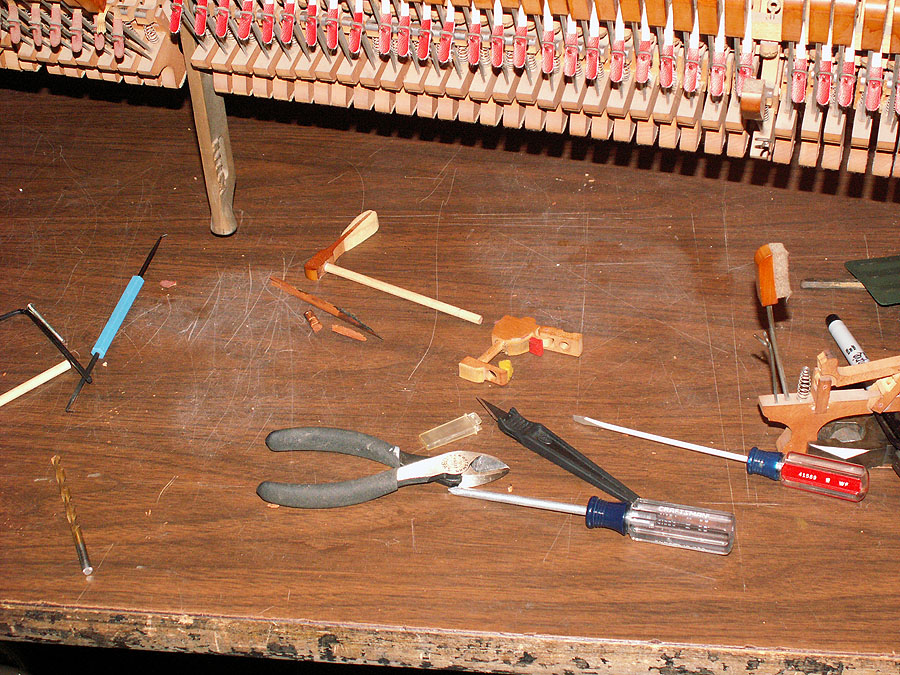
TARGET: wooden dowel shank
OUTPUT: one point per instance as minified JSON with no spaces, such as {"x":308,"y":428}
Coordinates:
{"x":34,"y":382}
{"x":466,"y":315}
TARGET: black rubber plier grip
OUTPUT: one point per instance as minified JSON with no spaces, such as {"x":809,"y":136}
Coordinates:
{"x":348,"y":492}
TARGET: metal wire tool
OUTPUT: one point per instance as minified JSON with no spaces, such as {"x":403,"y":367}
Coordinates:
{"x":98,"y":351}
{"x":31,"y":312}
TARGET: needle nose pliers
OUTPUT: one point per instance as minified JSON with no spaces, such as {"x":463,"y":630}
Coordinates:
{"x":456,"y":469}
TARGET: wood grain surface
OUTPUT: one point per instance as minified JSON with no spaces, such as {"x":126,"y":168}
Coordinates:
{"x":650,"y":256}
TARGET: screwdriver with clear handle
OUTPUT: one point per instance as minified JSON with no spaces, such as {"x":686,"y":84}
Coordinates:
{"x":823,"y":476}
{"x":646,"y":520}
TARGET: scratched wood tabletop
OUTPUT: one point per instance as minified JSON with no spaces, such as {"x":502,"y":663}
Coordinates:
{"x":649,"y":255}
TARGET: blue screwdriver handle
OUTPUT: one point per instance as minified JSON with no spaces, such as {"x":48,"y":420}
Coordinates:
{"x":114,"y":323}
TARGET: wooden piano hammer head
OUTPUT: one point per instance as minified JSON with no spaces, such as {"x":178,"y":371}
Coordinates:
{"x":773,"y":282}
{"x":362,"y":227}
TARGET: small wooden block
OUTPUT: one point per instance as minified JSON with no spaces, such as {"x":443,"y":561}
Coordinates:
{"x":888,"y":389}
{"x":477,"y":371}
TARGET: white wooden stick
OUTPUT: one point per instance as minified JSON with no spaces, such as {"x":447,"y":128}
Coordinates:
{"x":34,"y":382}
{"x":331,"y":268}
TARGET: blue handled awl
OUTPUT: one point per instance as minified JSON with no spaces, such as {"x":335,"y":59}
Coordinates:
{"x":114,"y":323}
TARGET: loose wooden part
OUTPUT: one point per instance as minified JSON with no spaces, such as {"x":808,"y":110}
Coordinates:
{"x":34,"y":382}
{"x":842,"y":22}
{"x":803,"y":421}
{"x":477,"y":371}
{"x":312,"y":320}
{"x":324,"y":305}
{"x":349,"y":332}
{"x":511,"y":335}
{"x":412,"y":296}
{"x":804,"y":417}
{"x":362,"y":227}
{"x":772,"y":275}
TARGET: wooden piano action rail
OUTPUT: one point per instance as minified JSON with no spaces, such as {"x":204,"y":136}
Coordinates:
{"x":778,"y":80}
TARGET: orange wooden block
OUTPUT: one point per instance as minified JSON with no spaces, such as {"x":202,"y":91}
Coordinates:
{"x":873,"y":25}
{"x":606,"y":10}
{"x":656,"y":12}
{"x":791,"y":20}
{"x":842,"y":22}
{"x":735,"y":18}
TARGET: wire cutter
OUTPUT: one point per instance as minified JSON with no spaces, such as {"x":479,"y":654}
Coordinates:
{"x":454,"y":469}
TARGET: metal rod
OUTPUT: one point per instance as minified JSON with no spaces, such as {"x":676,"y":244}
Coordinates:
{"x":531,"y":502}
{"x":771,"y":318}
{"x":764,"y":340}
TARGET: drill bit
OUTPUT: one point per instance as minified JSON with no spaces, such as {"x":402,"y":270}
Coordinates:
{"x":72,"y":517}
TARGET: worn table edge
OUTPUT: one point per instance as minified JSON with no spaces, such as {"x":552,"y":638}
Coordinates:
{"x":405,"y":646}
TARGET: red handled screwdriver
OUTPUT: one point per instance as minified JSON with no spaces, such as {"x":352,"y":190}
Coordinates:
{"x":823,"y":476}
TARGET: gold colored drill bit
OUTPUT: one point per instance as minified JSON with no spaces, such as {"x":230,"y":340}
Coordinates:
{"x":72,"y":517}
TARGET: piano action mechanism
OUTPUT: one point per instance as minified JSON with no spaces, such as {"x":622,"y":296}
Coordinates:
{"x":775,"y":80}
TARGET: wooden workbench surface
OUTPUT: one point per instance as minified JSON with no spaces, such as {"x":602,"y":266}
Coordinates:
{"x":650,"y":256}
